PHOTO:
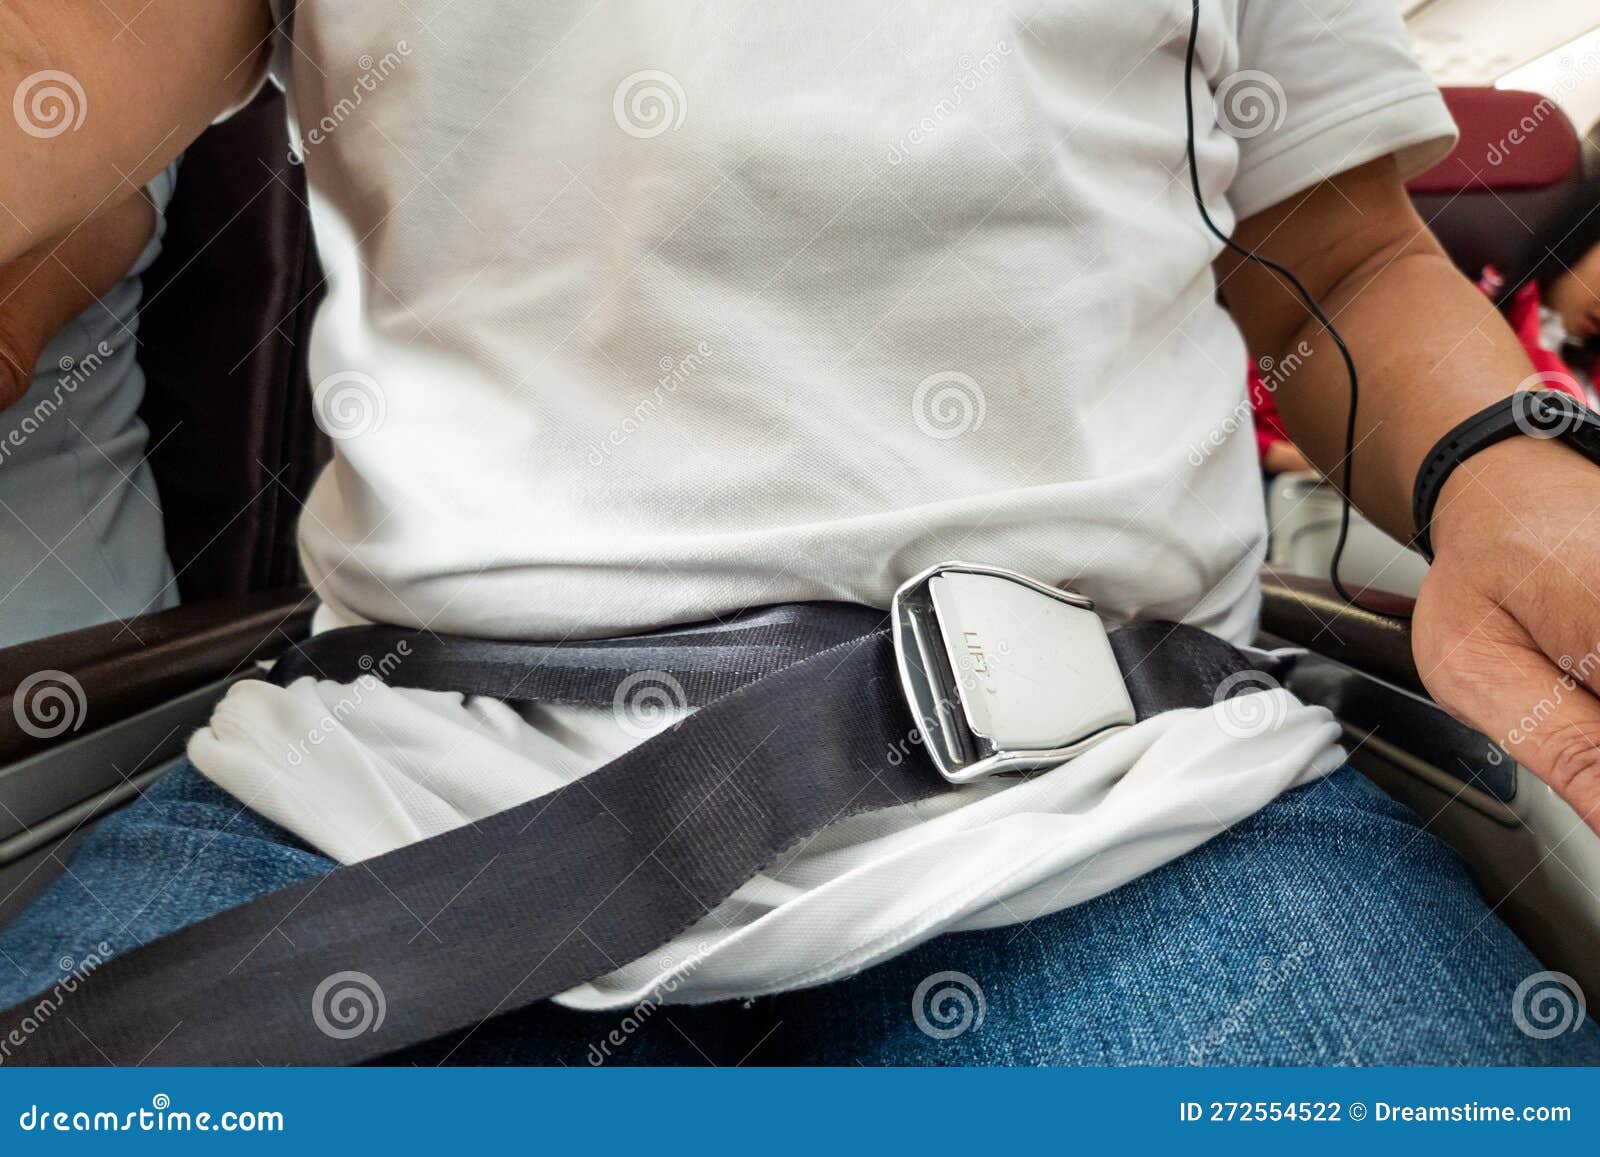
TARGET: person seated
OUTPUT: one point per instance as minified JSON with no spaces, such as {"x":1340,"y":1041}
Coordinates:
{"x":81,"y":533}
{"x":628,"y":328}
{"x":1553,"y":300}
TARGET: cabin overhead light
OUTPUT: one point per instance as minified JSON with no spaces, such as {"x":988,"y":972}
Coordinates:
{"x":1562,"y":70}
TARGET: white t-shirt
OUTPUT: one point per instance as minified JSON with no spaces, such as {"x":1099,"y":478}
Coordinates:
{"x":641,"y":314}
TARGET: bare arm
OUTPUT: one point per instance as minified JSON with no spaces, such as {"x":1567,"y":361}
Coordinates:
{"x":1507,"y":627}
{"x":1429,"y":347}
{"x":108,"y":92}
{"x":48,"y":286}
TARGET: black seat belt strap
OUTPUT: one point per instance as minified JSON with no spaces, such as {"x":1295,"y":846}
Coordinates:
{"x":511,"y":910}
{"x":704,"y":660}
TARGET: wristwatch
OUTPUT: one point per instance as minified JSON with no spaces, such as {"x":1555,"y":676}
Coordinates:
{"x":1544,"y":414}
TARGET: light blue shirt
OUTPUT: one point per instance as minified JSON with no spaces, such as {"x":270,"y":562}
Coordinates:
{"x":81,"y":534}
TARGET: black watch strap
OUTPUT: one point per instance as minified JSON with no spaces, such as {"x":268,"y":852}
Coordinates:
{"x":1545,"y":414}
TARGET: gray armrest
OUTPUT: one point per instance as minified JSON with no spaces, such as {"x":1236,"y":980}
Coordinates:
{"x":1308,"y":613}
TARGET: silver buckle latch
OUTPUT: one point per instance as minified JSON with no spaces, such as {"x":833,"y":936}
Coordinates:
{"x":1003,"y":673}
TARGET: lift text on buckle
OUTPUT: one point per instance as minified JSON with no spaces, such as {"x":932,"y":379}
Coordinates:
{"x":1003,"y":673}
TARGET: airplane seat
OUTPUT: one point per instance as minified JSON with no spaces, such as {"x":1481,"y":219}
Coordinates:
{"x":229,"y":408}
{"x":1516,"y":169}
{"x":1304,"y":512}
{"x":227,"y":309}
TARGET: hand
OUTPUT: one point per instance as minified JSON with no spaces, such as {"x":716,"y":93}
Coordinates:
{"x":1286,"y":458}
{"x":1507,"y":627}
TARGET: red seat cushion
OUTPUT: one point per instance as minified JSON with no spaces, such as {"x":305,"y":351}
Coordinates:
{"x":1511,"y":177}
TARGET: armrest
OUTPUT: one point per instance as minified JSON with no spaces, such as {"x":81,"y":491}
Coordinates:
{"x":1359,"y":659}
{"x":117,"y":669}
{"x":1308,"y":613}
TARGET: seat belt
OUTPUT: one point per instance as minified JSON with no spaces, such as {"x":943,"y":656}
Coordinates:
{"x":805,"y":721}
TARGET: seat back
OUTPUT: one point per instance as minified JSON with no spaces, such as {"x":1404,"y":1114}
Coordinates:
{"x":227,"y":309}
{"x":1512,"y":175}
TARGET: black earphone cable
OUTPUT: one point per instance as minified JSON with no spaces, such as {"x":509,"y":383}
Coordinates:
{"x":1311,"y":304}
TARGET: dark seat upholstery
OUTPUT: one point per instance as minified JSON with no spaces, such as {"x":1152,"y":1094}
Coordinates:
{"x":223,"y":337}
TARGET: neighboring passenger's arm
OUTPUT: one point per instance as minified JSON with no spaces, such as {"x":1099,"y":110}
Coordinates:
{"x":1509,"y":607}
{"x":47,"y":287}
{"x":106,"y":93}
{"x":1284,"y":458}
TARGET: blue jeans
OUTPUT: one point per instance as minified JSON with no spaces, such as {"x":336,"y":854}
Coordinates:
{"x":1326,"y":929}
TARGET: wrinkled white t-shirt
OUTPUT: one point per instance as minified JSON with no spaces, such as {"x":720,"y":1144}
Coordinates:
{"x":640,"y":314}
{"x":360,"y":770}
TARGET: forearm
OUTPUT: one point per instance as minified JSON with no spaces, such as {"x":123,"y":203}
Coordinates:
{"x":1429,"y":349}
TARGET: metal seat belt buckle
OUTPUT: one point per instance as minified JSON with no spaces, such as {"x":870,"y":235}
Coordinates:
{"x":1002,"y":673}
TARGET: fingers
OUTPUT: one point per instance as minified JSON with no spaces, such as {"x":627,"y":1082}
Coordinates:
{"x":1491,"y":674}
{"x":1557,"y":736}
